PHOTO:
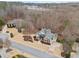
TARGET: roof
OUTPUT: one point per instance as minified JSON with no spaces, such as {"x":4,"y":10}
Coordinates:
{"x":44,"y":31}
{"x":19,"y":23}
{"x":47,"y":33}
{"x":49,"y":36}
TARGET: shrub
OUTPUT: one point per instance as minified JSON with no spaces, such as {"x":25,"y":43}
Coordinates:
{"x":19,"y":30}
{"x":60,"y":41}
{"x":67,"y":47}
{"x":11,"y":34}
{"x":7,"y":31}
{"x":77,"y":40}
{"x":19,"y":56}
{"x":66,"y":55}
{"x":1,"y":22}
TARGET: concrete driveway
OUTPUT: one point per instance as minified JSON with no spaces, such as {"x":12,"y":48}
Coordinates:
{"x":34,"y":52}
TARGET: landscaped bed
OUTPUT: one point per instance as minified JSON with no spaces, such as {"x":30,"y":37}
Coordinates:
{"x":19,"y":56}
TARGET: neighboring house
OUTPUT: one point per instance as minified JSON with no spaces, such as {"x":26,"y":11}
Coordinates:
{"x":46,"y":36}
{"x":17,"y":23}
{"x":11,"y":24}
{"x":4,"y":45}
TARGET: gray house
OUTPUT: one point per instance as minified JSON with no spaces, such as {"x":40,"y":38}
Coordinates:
{"x":46,"y":36}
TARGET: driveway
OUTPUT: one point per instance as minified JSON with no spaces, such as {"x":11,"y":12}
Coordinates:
{"x":32,"y":51}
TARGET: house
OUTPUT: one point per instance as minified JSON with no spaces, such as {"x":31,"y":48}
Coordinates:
{"x":42,"y":33}
{"x":11,"y":24}
{"x":46,"y":36}
{"x":17,"y":23}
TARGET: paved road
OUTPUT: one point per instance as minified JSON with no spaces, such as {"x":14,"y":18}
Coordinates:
{"x":32,"y":51}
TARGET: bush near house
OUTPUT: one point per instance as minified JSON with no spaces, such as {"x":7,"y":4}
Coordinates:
{"x":67,"y":48}
{"x":35,"y":38}
{"x":60,"y":41}
{"x":11,"y":34}
{"x":7,"y":31}
{"x":60,"y":38}
{"x":66,"y":55}
{"x":77,"y":40}
{"x":19,"y":30}
{"x":19,"y":56}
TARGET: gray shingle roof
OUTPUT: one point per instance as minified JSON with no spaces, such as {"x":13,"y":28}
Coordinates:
{"x":47,"y":33}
